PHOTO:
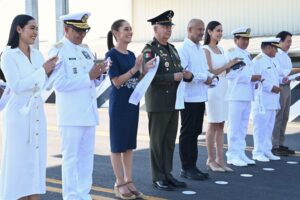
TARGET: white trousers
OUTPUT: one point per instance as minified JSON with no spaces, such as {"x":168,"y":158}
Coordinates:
{"x":263,"y":125}
{"x":238,"y":118}
{"x":77,"y":162}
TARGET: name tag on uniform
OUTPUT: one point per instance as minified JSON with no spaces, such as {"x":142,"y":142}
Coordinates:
{"x":72,"y":58}
{"x":86,"y":55}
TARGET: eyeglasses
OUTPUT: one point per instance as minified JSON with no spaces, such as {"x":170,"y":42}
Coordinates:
{"x":80,"y":31}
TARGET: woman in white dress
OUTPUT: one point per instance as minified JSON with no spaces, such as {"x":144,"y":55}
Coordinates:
{"x":216,"y":106}
{"x":23,"y":164}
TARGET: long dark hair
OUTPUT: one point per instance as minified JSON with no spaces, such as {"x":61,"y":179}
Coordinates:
{"x":210,"y":26}
{"x":21,"y":21}
{"x":114,"y":27}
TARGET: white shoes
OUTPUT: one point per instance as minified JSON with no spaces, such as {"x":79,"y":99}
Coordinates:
{"x":237,"y":162}
{"x":271,"y":156}
{"x":246,"y":159}
{"x":261,"y":158}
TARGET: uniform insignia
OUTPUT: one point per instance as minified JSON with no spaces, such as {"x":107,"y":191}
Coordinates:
{"x":74,"y":70}
{"x":86,"y":55}
{"x":258,"y":57}
{"x":147,"y":55}
{"x":72,"y":58}
{"x":167,"y":64}
{"x":58,"y":45}
{"x":268,"y":67}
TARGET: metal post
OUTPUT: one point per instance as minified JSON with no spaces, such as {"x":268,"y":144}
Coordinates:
{"x":61,"y":8}
{"x":32,"y":8}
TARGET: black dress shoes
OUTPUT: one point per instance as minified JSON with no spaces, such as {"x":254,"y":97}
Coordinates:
{"x":177,"y":184}
{"x":202,"y":173}
{"x":162,"y":185}
{"x":192,"y":174}
{"x":289,"y":151}
{"x":279,"y":152}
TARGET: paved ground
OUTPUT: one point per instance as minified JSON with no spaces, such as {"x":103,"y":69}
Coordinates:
{"x":281,"y":184}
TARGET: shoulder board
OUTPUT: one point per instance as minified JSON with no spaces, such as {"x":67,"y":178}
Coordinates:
{"x":150,"y":43}
{"x":257,"y":57}
{"x":231,"y":49}
{"x":171,"y":45}
{"x":58,"y":45}
{"x":84,"y":45}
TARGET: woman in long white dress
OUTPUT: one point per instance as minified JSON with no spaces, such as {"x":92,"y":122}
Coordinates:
{"x":23,"y":164}
{"x":216,"y":106}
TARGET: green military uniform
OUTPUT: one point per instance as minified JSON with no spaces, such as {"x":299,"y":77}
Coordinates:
{"x":160,"y":105}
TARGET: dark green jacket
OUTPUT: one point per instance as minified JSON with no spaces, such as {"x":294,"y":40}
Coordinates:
{"x":161,"y":94}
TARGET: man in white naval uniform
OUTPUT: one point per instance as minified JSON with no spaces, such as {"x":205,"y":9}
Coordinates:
{"x":240,"y":93}
{"x":76,"y":106}
{"x":263,"y":120}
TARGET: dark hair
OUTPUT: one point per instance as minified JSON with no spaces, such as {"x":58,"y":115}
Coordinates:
{"x":19,"y":20}
{"x":114,"y":27}
{"x":210,"y":26}
{"x":2,"y":77}
{"x":283,"y":34}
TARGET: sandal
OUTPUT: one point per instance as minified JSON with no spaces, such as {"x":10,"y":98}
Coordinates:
{"x":128,"y":195}
{"x":138,"y":194}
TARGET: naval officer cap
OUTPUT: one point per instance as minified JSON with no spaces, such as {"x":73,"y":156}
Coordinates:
{"x":271,"y":41}
{"x":163,"y":19}
{"x":77,"y":20}
{"x":242,"y":32}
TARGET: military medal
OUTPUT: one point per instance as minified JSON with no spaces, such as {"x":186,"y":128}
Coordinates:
{"x":74,"y":70}
{"x":167,"y":64}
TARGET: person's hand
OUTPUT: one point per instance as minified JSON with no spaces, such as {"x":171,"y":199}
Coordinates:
{"x":275,"y":89}
{"x":178,"y":76}
{"x":286,"y":80}
{"x":187,"y":74}
{"x":149,"y":65}
{"x":97,"y":70}
{"x":50,"y":64}
{"x":138,"y":62}
{"x":232,"y":62}
{"x":255,"y":78}
{"x":208,"y":80}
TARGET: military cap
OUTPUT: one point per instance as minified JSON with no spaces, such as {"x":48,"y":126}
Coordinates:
{"x":271,"y":41}
{"x":163,"y":19}
{"x":77,"y":20}
{"x":242,"y":32}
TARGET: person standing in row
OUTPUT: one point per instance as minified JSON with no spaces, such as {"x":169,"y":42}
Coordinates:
{"x":125,"y":72}
{"x":23,"y":164}
{"x":76,"y":106}
{"x":240,"y":93}
{"x":263,"y":120}
{"x":217,"y":107}
{"x":160,"y":101}
{"x":193,"y":58}
{"x":282,"y":115}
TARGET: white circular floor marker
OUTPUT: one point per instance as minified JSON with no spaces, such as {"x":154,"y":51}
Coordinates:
{"x":188,"y":192}
{"x":247,"y":175}
{"x":269,"y":169}
{"x":292,"y":162}
{"x":221,"y":182}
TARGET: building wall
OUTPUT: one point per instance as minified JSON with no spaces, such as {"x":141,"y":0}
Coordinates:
{"x":265,"y":17}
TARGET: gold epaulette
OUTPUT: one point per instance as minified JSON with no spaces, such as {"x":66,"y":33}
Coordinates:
{"x":231,"y":49}
{"x":257,"y":57}
{"x":58,"y":45}
{"x":84,"y":45}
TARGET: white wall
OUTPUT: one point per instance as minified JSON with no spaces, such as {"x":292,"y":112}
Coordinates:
{"x":265,"y":17}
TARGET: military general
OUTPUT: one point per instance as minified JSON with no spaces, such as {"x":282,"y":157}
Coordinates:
{"x":160,"y":101}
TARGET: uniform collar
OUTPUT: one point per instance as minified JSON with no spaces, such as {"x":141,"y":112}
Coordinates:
{"x":68,"y":42}
{"x":266,"y":56}
{"x":280,"y":51}
{"x":191,"y":43}
{"x":242,"y":50}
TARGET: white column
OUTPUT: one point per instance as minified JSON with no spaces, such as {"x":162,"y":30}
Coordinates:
{"x":61,"y":8}
{"x":32,"y":8}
